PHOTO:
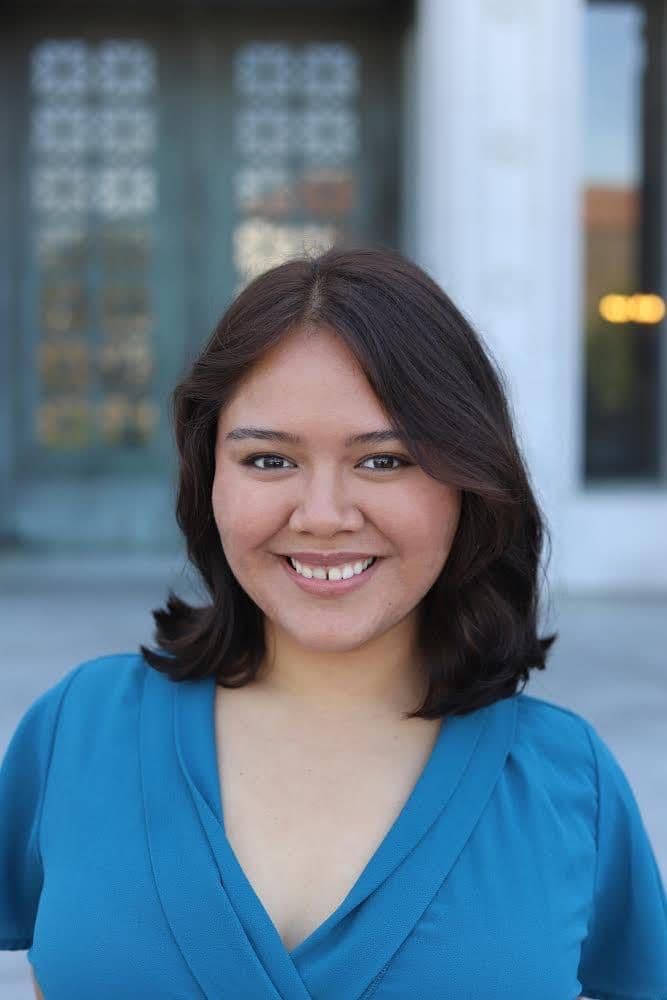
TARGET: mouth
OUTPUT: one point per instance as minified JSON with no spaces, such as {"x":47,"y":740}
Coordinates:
{"x":331,"y":587}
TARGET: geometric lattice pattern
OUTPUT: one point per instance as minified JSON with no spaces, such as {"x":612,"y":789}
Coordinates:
{"x":329,"y":72}
{"x":94,"y":194}
{"x":297,"y":147}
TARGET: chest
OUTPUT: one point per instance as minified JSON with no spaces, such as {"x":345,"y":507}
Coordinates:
{"x":306,"y":807}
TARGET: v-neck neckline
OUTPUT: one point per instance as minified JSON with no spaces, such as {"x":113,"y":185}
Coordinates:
{"x":196,"y":739}
{"x":219,"y":924}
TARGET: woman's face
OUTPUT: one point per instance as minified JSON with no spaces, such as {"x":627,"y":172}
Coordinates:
{"x":322,"y":496}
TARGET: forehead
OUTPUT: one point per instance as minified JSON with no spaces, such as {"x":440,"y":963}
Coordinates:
{"x":318,"y":351}
{"x":306,"y":380}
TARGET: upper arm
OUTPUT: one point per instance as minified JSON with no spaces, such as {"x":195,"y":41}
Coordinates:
{"x":24,"y":772}
{"x":625,"y":950}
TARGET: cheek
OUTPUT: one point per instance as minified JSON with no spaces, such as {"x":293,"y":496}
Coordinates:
{"x":425,"y":518}
{"x":242,"y":516}
{"x":431,"y":535}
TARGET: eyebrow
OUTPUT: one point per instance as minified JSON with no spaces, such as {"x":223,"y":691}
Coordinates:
{"x":264,"y":434}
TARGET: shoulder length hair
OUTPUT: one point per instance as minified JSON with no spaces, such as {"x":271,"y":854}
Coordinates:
{"x":430,"y":370}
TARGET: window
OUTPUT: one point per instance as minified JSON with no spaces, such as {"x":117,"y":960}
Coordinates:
{"x":93,"y":137}
{"x":297,"y":145}
{"x":622,"y":203}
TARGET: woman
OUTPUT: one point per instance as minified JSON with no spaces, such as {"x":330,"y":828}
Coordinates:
{"x":331,"y":785}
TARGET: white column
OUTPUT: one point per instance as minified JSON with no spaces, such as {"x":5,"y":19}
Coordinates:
{"x":497,"y":93}
{"x":447,"y":165}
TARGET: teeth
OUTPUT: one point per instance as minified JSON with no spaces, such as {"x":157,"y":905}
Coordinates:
{"x":333,"y":572}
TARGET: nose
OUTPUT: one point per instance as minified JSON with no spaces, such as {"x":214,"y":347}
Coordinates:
{"x":325,"y":506}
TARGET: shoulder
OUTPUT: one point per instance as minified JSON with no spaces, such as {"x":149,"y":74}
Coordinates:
{"x":92,"y":712}
{"x":102,"y":688}
{"x":563,"y":749}
{"x":556,"y":744}
{"x":117,"y":674}
{"x":112,"y":675}
{"x":88,"y":692}
{"x":538,"y":718}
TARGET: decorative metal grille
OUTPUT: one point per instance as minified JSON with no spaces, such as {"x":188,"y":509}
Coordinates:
{"x":94,"y":195}
{"x":297,"y":148}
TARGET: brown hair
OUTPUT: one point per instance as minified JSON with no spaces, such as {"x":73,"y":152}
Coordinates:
{"x":441,"y":389}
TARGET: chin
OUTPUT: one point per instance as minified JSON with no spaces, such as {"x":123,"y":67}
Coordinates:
{"x":338,"y":640}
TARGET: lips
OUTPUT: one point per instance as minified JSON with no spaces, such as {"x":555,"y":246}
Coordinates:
{"x":330,"y":588}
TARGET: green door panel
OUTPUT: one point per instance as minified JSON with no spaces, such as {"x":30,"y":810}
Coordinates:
{"x":155,"y":168}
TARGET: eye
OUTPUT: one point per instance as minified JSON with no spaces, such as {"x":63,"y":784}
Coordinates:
{"x":391,"y":458}
{"x":251,"y":459}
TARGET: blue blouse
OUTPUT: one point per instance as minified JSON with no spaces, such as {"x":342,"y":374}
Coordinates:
{"x":518,"y":868}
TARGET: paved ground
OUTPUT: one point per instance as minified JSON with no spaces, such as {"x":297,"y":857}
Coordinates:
{"x":609,"y":664}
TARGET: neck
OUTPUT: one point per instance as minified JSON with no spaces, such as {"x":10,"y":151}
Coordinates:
{"x":380,"y":680}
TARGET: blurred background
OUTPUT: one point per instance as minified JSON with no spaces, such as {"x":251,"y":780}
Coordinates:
{"x":156,"y":157}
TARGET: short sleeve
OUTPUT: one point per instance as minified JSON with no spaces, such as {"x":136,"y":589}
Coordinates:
{"x":23,"y":775}
{"x":624,"y":956}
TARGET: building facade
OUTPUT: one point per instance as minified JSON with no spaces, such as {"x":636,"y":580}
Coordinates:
{"x":159,"y":157}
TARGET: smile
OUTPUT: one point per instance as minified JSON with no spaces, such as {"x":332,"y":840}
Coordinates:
{"x":342,"y":572}
{"x":329,"y":587}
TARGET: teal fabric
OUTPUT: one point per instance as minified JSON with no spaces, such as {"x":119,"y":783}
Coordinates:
{"x":518,"y":868}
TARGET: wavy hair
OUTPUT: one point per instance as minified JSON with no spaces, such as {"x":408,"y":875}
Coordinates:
{"x":440,"y":387}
